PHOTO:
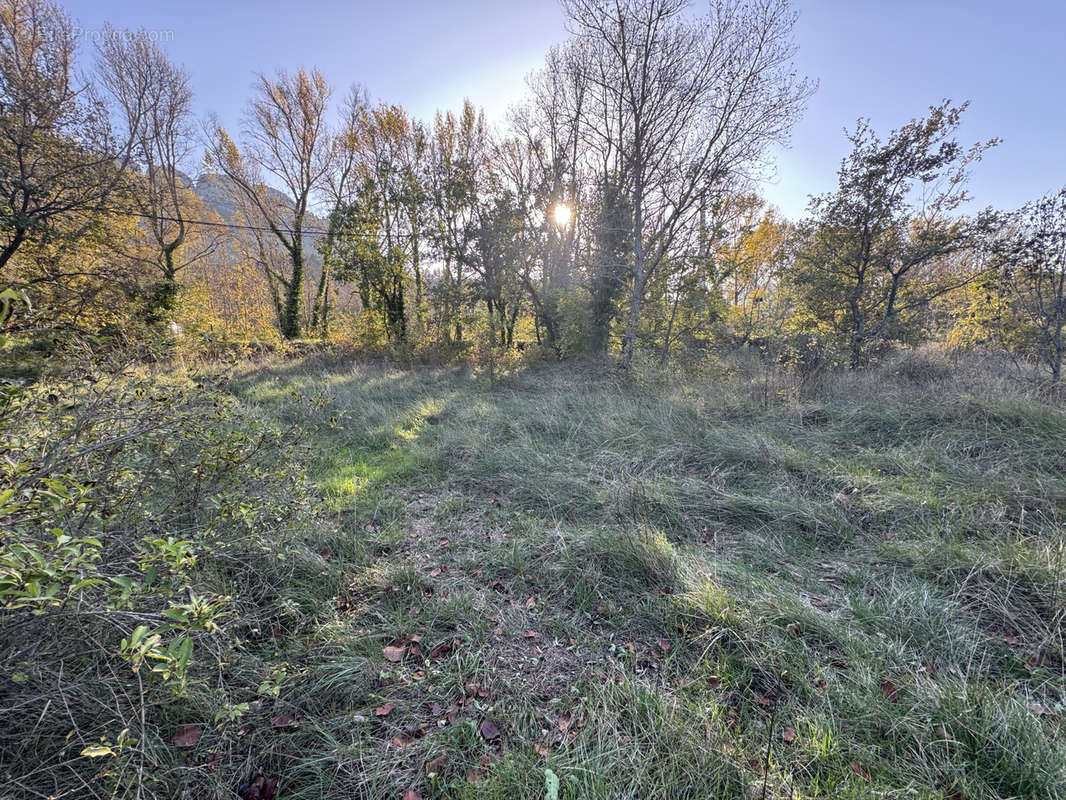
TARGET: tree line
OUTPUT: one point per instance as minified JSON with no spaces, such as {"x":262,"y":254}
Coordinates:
{"x":615,"y":213}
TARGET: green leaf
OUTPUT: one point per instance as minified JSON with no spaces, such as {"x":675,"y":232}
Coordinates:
{"x":97,"y":750}
{"x":551,"y":785}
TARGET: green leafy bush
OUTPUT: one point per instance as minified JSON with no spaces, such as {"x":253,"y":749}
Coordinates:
{"x":145,"y":531}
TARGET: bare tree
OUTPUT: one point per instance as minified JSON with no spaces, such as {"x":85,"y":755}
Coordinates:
{"x":339,"y":187}
{"x":59,"y":160}
{"x":154,"y":102}
{"x":286,"y":138}
{"x":548,"y":133}
{"x":683,"y":106}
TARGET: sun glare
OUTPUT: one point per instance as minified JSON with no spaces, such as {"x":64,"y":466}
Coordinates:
{"x":562,"y":214}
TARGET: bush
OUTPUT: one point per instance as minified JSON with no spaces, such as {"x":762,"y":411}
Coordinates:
{"x":145,"y":530}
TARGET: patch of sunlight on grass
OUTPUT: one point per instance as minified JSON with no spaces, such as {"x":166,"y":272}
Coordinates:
{"x":409,"y":428}
{"x":345,"y":484}
{"x":706,"y":599}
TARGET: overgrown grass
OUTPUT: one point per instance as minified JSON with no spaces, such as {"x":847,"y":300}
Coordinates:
{"x":663,"y":586}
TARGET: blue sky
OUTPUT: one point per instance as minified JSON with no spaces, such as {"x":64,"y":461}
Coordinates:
{"x":884,"y":59}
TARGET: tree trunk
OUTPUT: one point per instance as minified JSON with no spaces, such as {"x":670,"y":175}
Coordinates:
{"x":290,"y":328}
{"x":633,"y":320}
{"x":319,"y":310}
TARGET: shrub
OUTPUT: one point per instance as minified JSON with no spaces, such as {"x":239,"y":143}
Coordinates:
{"x":144,"y":532}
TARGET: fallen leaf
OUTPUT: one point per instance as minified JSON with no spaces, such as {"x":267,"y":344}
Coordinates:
{"x":401,"y":741}
{"x":664,"y":645}
{"x":890,"y":690}
{"x":860,"y":770}
{"x":1038,"y":709}
{"x":285,"y":722}
{"x":541,"y":750}
{"x":411,"y":794}
{"x":788,"y":735}
{"x":532,"y":635}
{"x":384,"y":711}
{"x":393,"y":654}
{"x":565,"y":722}
{"x":821,"y":683}
{"x":793,"y":628}
{"x":732,"y":718}
{"x":433,"y":573}
{"x":441,"y":649}
{"x":713,"y":681}
{"x":437,"y":764}
{"x":763,"y":700}
{"x":258,"y":787}
{"x":531,"y":603}
{"x":475,"y":775}
{"x":489,"y":730}
{"x":213,"y":760}
{"x":187,"y":736}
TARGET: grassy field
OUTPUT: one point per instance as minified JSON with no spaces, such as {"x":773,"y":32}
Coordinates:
{"x":570,"y":585}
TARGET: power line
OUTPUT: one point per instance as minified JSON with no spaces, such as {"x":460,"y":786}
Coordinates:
{"x":211,"y":223}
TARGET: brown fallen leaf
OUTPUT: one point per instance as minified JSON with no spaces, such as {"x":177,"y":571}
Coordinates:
{"x":187,"y":736}
{"x":442,"y":649}
{"x":393,"y":654}
{"x":793,"y":628}
{"x":732,"y":718}
{"x":890,"y":690}
{"x":433,"y":573}
{"x":541,"y":750}
{"x":532,"y":635}
{"x":565,"y":721}
{"x":531,"y":603}
{"x":411,"y":794}
{"x":258,"y":787}
{"x":860,"y":770}
{"x":435,"y":766}
{"x":475,"y":775}
{"x":401,"y":741}
{"x":821,"y":683}
{"x":489,"y":730}
{"x":788,"y":735}
{"x":664,"y":645}
{"x":213,"y":760}
{"x":384,"y":711}
{"x":713,"y":681}
{"x":763,"y":700}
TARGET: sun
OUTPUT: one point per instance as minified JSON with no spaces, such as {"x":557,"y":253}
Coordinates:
{"x":562,"y":214}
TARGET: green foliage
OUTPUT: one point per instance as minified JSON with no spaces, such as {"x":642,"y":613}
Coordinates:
{"x":143,"y":522}
{"x":877,"y":250}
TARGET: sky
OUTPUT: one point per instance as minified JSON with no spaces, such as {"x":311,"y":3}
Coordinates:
{"x":888,"y":60}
